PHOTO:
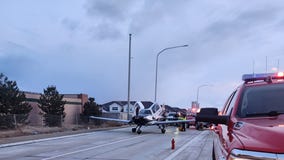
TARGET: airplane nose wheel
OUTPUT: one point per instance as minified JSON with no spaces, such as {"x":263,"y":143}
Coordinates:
{"x":138,"y":129}
{"x":133,"y":130}
{"x":163,"y":130}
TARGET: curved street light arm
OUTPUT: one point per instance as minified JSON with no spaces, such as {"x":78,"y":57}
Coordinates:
{"x":197,"y":95}
{"x":157,"y":61}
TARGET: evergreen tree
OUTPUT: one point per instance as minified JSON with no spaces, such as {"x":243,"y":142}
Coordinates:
{"x":13,"y":106}
{"x":52,"y":106}
{"x":91,"y":108}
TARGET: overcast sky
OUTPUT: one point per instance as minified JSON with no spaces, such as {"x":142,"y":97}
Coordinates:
{"x":82,"y":46}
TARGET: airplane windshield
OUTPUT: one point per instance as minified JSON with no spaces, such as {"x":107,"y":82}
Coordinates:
{"x":145,"y":111}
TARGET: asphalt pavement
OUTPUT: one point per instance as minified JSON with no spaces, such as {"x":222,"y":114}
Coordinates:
{"x":115,"y":144}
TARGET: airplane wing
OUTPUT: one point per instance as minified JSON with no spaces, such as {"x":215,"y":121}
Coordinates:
{"x":111,"y":119}
{"x":171,"y":122}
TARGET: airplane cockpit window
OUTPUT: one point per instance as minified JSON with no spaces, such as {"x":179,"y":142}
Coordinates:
{"x":145,"y":111}
{"x":136,"y":105}
{"x":155,"y":108}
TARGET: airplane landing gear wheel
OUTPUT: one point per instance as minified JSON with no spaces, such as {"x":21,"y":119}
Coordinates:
{"x":133,"y":130}
{"x":163,"y":130}
{"x":139,"y":131}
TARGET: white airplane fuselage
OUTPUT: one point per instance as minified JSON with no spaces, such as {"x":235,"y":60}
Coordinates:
{"x":154,"y":115}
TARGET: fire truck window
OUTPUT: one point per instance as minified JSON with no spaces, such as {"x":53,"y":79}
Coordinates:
{"x":231,"y":103}
{"x":262,"y":100}
{"x":228,"y":103}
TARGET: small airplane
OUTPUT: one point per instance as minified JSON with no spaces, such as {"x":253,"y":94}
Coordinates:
{"x":154,"y":115}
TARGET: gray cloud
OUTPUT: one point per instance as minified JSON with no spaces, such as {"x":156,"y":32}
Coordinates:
{"x":154,"y":13}
{"x":107,"y":17}
{"x":110,"y":10}
{"x":224,"y":38}
{"x":258,"y":16}
{"x":105,"y":31}
{"x":243,"y":23}
{"x":17,"y":60}
{"x":69,"y":24}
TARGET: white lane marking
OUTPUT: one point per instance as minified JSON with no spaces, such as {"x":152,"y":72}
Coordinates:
{"x":48,"y":139}
{"x":42,"y":140}
{"x":174,"y":154}
{"x":86,"y":149}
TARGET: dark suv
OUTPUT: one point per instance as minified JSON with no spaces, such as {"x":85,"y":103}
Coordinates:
{"x":251,"y":124}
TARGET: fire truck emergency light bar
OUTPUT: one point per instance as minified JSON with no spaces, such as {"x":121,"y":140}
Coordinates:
{"x":262,"y":76}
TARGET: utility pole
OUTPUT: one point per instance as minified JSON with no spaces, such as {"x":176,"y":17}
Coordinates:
{"x":129,"y":71}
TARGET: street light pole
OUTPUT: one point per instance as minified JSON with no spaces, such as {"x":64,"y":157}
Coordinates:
{"x":129,"y":72}
{"x":157,"y":61}
{"x":197,"y":95}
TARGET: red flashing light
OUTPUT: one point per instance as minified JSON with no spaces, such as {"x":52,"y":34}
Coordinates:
{"x":280,"y":74}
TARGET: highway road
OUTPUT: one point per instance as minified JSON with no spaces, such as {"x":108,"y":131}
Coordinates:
{"x":116,"y":144}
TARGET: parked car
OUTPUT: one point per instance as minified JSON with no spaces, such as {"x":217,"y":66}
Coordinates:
{"x":251,"y":124}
